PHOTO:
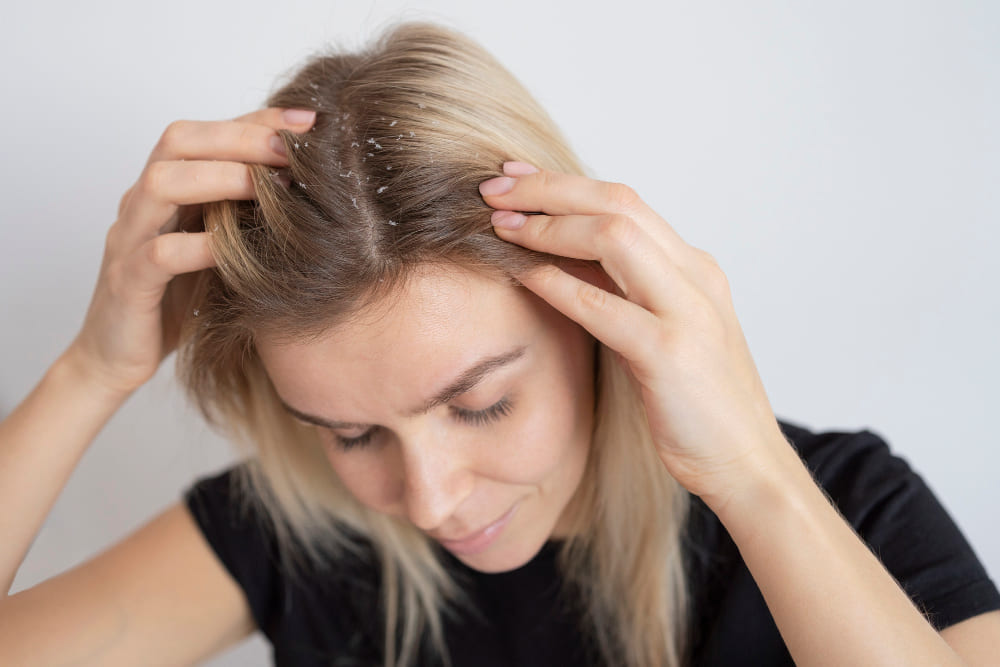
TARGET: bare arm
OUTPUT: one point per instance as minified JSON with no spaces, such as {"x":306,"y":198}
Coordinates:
{"x":161,"y":592}
{"x":832,"y":600}
{"x":41,"y":442}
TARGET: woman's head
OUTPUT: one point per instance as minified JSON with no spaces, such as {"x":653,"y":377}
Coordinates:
{"x":420,"y":437}
{"x":366,"y":278}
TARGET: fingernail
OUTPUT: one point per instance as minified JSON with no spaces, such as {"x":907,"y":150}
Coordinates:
{"x":497,"y":186}
{"x":508,"y":219}
{"x":278,"y":146}
{"x":519,"y":169}
{"x":298,"y":116}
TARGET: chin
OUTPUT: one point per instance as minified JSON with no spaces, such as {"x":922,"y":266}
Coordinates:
{"x":502,"y":557}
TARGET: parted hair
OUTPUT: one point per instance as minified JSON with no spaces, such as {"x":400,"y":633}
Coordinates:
{"x":385,"y":181}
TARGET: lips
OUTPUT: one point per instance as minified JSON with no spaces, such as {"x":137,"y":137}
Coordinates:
{"x":481,"y":539}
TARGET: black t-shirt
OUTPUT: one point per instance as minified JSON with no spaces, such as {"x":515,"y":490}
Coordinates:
{"x":335,"y":620}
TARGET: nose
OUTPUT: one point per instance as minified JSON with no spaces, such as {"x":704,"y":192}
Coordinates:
{"x":435,"y":481}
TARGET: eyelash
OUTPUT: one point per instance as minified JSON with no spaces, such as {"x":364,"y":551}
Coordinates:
{"x":497,"y":411}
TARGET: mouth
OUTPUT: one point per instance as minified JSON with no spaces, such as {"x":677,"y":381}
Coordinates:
{"x":480,"y":540}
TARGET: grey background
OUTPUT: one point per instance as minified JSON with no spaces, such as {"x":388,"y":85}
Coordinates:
{"x":839,"y":159}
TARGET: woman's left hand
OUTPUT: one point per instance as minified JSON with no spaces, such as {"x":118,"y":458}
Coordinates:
{"x":664,"y":307}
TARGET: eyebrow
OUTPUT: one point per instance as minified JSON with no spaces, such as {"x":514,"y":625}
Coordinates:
{"x":463,"y":383}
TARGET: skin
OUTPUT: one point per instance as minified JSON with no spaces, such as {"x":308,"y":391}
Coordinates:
{"x":446,"y":476}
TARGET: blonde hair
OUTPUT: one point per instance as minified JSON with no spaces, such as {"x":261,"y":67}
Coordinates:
{"x":386,"y":180}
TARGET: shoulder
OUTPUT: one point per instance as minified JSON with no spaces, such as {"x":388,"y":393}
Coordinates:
{"x":301,"y":606}
{"x":890,"y":507}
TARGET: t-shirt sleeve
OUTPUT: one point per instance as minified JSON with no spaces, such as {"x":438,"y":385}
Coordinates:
{"x":240,"y":541}
{"x":895,"y":512}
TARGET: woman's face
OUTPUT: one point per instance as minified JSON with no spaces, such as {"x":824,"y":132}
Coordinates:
{"x":462,"y":400}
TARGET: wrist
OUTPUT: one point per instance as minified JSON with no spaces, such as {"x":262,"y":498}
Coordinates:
{"x":72,"y":368}
{"x":778,"y":484}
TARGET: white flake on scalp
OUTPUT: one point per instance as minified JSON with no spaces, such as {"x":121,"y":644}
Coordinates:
{"x":371,"y":140}
{"x":382,"y":189}
{"x":354,"y":200}
{"x":392,"y":222}
{"x":355,"y":144}
{"x":393,"y":123}
{"x":412,"y":134}
{"x":296,"y":144}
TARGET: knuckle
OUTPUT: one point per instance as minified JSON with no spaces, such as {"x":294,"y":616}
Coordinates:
{"x":622,"y":196}
{"x":246,"y":133}
{"x":545,"y":179}
{"x":111,"y":241}
{"x":617,"y":229}
{"x":592,"y":297}
{"x":173,"y":133}
{"x":153,"y":177}
{"x":157,"y":250}
{"x":124,"y":200}
{"x":712,"y":273}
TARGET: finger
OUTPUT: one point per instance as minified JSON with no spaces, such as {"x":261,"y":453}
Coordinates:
{"x":220,"y":140}
{"x":620,"y":324}
{"x":556,"y":193}
{"x":248,"y":138}
{"x":629,"y":255}
{"x":278,"y":118}
{"x":148,"y":271}
{"x":164,"y":186}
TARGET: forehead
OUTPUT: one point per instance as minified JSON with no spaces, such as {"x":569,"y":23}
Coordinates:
{"x":442,"y":321}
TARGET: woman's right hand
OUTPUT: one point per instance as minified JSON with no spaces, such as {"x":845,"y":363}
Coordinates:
{"x":130,"y":327}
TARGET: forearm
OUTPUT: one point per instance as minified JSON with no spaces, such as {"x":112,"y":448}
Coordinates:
{"x":41,"y":442}
{"x":832,"y":600}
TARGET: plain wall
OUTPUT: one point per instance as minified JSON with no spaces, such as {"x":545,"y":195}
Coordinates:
{"x":838,"y":159}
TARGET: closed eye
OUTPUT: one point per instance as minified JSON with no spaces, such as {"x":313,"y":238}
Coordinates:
{"x":498,"y":410}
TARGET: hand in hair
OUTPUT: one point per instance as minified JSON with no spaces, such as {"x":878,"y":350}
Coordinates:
{"x":133,"y":319}
{"x":663,"y":306}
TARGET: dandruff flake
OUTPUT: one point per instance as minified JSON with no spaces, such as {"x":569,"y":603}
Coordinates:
{"x":392,"y":222}
{"x":393,"y":123}
{"x":382,"y":189}
{"x":296,"y":144}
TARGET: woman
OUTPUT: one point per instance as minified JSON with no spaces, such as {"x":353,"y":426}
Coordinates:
{"x":476,"y":436}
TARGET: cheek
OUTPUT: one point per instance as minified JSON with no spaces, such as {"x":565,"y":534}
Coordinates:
{"x":545,"y":437}
{"x":361,"y":474}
